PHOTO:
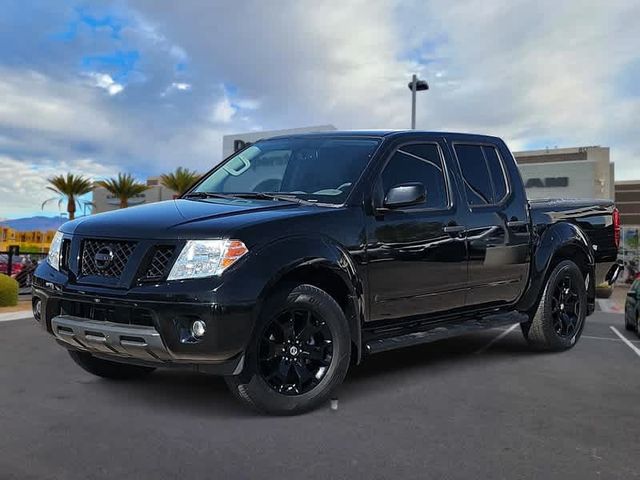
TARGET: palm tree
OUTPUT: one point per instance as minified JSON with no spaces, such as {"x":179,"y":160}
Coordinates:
{"x":69,"y":187}
{"x":123,"y":187}
{"x":180,"y":180}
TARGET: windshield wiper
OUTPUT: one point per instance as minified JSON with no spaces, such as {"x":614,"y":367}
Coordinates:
{"x":249,"y":195}
{"x":206,"y":195}
{"x":274,"y":196}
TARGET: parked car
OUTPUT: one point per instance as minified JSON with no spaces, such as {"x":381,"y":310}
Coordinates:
{"x":16,"y":264}
{"x":301,"y":255}
{"x":632,"y":308}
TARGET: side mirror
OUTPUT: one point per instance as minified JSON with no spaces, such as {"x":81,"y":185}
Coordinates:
{"x":405,"y":195}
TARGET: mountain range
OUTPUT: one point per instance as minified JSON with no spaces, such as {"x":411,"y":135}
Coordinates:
{"x":39,"y":222}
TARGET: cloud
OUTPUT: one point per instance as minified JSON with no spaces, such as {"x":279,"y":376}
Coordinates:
{"x":150,"y":88}
{"x":223,"y":111}
{"x":104,"y":80}
{"x":177,"y":87}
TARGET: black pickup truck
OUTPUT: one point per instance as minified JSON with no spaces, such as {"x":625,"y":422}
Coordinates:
{"x":301,"y":255}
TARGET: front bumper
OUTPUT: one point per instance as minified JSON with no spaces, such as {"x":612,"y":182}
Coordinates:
{"x":150,"y":332}
{"x":136,"y":341}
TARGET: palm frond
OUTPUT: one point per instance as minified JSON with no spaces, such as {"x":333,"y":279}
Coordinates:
{"x":179,"y":180}
{"x":123,"y":187}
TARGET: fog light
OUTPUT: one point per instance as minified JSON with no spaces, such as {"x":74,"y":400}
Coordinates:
{"x":198,"y":328}
{"x":37,"y":308}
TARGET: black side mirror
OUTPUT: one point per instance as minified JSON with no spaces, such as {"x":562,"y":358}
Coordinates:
{"x":405,"y":195}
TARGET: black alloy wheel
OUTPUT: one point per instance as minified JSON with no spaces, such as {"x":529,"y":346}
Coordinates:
{"x":560,"y":316}
{"x":565,"y":308}
{"x":299,"y":354}
{"x":295,"y":351}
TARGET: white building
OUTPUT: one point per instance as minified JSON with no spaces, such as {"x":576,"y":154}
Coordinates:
{"x":580,"y":172}
{"x":103,"y":201}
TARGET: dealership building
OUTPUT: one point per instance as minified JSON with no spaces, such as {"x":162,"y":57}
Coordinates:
{"x":581,"y":172}
{"x":103,"y":201}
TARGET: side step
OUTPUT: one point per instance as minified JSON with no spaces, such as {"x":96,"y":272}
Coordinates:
{"x":441,"y":331}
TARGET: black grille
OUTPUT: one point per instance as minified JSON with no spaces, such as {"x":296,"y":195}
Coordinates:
{"x":159,"y":262}
{"x":107,"y":313}
{"x":105,"y":258}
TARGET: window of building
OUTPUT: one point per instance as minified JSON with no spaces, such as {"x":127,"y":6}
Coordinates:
{"x":418,"y":163}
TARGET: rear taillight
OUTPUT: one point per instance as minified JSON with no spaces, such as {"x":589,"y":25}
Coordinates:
{"x":616,"y":227}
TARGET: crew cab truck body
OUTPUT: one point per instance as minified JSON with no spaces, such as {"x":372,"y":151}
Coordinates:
{"x":301,"y":255}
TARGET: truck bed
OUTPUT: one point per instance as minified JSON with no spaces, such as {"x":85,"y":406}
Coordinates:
{"x":593,"y":216}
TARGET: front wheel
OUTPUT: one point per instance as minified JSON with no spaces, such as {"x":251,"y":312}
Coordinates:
{"x":560,"y":317}
{"x":299,"y":354}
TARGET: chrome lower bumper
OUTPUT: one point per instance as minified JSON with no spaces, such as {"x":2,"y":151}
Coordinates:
{"x":129,"y":341}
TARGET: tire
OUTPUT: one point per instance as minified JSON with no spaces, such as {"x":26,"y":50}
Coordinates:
{"x":275,"y":379}
{"x":632,"y":327}
{"x":106,"y":369}
{"x":638,"y":323}
{"x":560,"y":317}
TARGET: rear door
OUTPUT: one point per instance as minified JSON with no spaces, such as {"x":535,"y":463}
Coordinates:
{"x":497,"y":223}
{"x":417,"y":259}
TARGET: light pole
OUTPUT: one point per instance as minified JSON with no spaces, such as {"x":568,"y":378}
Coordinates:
{"x":416,"y":86}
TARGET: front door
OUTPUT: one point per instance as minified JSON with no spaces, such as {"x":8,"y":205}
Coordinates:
{"x":417,"y":258}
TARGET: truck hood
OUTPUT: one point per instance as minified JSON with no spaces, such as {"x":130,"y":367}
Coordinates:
{"x":170,"y":219}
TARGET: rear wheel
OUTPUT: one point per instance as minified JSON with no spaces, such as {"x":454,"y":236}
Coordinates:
{"x":560,"y":317}
{"x":107,"y":369}
{"x":299,"y":354}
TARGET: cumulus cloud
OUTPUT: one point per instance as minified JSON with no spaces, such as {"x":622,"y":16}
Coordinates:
{"x":104,"y":81}
{"x":537,"y":73}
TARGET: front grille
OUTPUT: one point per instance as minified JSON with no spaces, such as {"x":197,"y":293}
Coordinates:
{"x":105,"y":258}
{"x":160,"y":262}
{"x":107,"y":313}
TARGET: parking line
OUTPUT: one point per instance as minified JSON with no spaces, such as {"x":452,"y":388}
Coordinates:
{"x":625,"y":340}
{"x":498,"y":338}
{"x":608,"y":339}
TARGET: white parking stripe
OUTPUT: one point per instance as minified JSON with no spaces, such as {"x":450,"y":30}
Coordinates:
{"x":498,"y":338}
{"x":625,"y":340}
{"x":608,"y":339}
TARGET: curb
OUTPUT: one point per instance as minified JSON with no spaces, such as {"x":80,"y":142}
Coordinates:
{"x":21,"y":315}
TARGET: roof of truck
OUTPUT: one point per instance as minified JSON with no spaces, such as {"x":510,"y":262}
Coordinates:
{"x":391,"y":133}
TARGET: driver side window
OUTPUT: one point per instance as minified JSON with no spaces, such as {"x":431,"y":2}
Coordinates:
{"x":418,"y":163}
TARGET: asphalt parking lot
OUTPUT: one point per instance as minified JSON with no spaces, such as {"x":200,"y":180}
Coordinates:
{"x":479,"y":406}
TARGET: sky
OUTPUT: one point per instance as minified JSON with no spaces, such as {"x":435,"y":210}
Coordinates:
{"x":144,"y":86}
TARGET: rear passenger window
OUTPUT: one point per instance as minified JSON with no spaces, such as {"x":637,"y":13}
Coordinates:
{"x":418,"y":163}
{"x":497,"y":173}
{"x":483,"y":174}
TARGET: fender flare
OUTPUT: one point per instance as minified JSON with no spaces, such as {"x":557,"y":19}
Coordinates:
{"x":285,"y":256}
{"x":547,"y":246}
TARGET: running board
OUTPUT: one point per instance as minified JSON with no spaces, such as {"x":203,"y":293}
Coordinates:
{"x":441,"y":331}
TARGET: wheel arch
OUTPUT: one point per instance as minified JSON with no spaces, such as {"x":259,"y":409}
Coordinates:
{"x":560,"y":241}
{"x":323,"y":264}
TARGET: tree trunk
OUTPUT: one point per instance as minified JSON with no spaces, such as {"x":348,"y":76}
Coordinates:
{"x":71,"y":207}
{"x":124,"y":203}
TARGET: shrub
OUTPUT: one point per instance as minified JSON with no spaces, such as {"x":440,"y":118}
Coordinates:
{"x":8,"y":291}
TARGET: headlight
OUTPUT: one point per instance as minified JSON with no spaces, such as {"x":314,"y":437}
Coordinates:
{"x":206,"y":258}
{"x":53,"y":258}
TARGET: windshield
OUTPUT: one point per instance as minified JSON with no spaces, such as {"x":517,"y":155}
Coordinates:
{"x":321,"y":169}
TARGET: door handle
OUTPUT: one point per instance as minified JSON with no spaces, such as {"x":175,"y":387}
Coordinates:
{"x":454,"y":229}
{"x":517,"y":223}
